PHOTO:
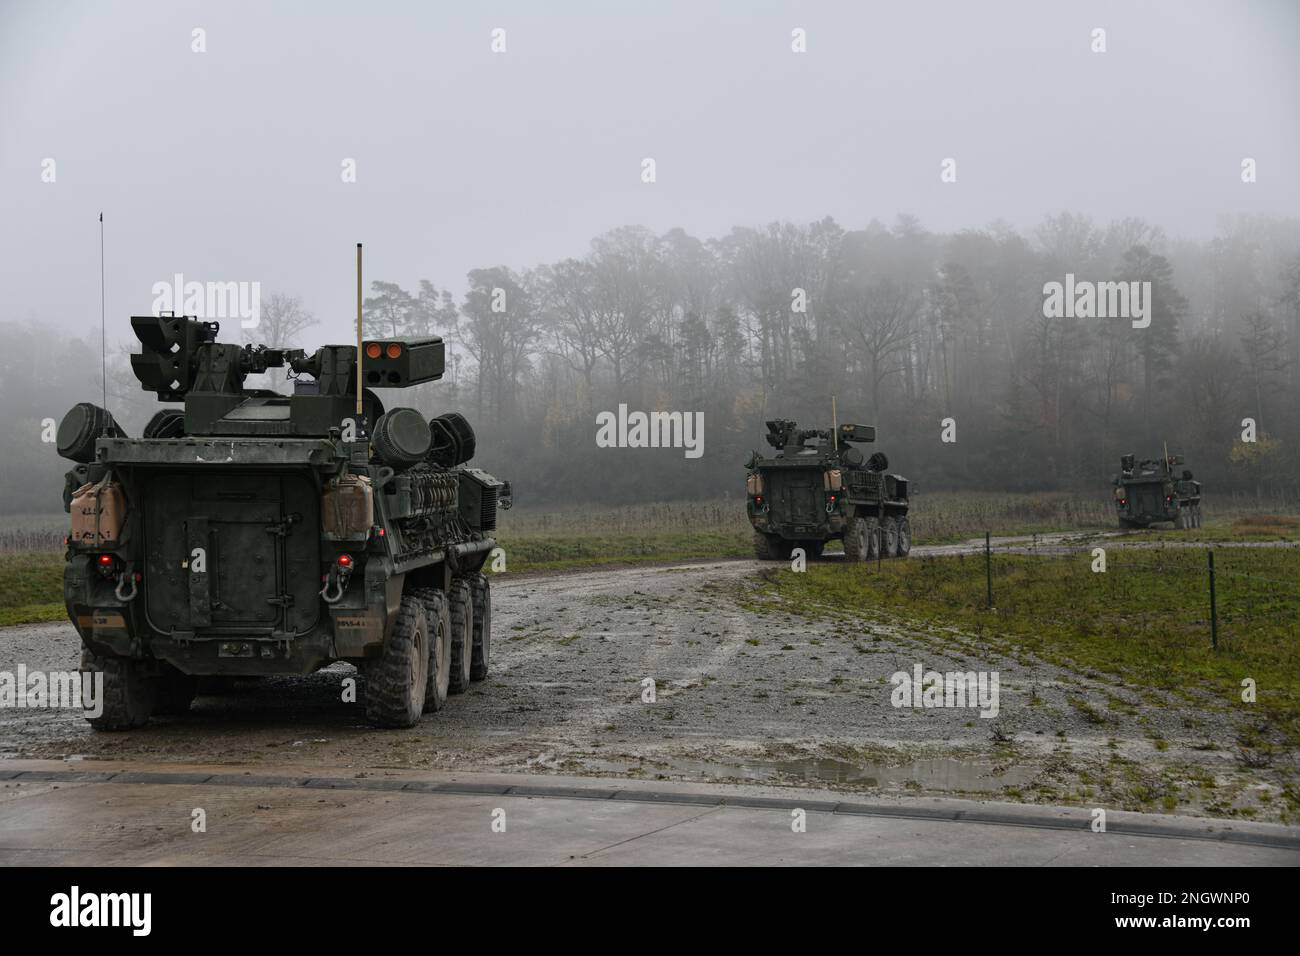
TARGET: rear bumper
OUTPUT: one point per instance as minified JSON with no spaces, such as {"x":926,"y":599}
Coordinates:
{"x":350,"y":630}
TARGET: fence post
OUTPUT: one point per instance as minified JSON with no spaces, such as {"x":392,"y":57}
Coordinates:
{"x":1214,"y":610}
{"x":988,"y":568}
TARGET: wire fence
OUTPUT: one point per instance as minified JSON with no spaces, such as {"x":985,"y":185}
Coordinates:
{"x":22,"y":535}
{"x":1227,"y":591}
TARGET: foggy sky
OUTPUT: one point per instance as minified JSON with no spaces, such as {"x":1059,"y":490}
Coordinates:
{"x":225,"y":165}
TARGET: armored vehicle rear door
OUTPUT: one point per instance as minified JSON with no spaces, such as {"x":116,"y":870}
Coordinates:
{"x":799,"y":495}
{"x":1147,"y":497}
{"x":259,"y":538}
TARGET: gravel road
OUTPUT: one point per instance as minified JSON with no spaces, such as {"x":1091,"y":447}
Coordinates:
{"x":742,"y":693}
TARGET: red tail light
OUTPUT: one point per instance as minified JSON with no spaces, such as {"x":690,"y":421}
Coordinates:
{"x":345,"y":560}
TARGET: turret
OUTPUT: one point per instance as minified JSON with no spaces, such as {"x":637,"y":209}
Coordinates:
{"x":181,"y":360}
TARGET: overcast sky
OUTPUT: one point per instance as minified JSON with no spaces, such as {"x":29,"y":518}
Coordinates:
{"x":225,"y":165}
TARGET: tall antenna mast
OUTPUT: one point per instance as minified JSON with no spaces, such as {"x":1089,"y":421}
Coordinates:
{"x":835,"y":425}
{"x":359,"y":351}
{"x":103,"y":328}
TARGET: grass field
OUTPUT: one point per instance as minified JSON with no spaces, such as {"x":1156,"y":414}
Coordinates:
{"x":1241,"y":527}
{"x":1146,"y":619}
{"x":719,"y":529}
{"x":533,"y":539}
{"x":31,"y":588}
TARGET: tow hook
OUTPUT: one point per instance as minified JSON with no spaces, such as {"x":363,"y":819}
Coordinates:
{"x":337,"y":576}
{"x":124,"y":579}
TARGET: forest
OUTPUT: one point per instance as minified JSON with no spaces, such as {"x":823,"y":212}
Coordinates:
{"x":903,"y":327}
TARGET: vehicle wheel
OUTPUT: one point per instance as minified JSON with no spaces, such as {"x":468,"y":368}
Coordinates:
{"x":481,"y":591}
{"x":889,"y":538}
{"x":396,"y":681}
{"x":461,"y":604}
{"x":1196,"y":515}
{"x":873,"y":538}
{"x":175,"y":692}
{"x":129,"y":693}
{"x":765,"y":546}
{"x":904,"y":537}
{"x":856,"y":540}
{"x":439,"y":677}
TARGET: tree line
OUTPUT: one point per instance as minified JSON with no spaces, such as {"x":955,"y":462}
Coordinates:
{"x":907,"y":329}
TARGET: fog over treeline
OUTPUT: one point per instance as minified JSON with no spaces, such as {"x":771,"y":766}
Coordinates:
{"x":903,"y":326}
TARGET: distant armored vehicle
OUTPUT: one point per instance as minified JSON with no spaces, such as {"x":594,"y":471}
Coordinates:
{"x":818,"y":488}
{"x":1148,"y":492}
{"x":251,"y":533}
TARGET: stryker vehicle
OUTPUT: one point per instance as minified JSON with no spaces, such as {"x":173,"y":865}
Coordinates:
{"x":252,"y":533}
{"x":818,"y":488}
{"x":1148,"y":492}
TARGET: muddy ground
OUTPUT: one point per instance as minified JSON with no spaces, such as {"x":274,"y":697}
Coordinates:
{"x":742,"y":694}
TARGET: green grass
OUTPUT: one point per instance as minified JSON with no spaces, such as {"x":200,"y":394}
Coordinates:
{"x":557,"y":551}
{"x":1145,"y":620}
{"x":31,"y":588}
{"x":1250,"y":527}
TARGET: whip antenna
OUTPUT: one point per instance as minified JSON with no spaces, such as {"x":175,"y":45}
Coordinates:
{"x":103,"y":329}
{"x":358,"y":334}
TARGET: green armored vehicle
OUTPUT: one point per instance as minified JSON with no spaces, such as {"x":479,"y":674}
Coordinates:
{"x":251,"y":533}
{"x":818,"y":488}
{"x":1148,"y":492}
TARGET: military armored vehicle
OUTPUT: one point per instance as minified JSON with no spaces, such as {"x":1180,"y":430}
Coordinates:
{"x":817,"y":488}
{"x":250,"y":533}
{"x":1149,"y":492}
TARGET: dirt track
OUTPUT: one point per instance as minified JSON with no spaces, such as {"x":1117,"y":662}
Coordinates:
{"x":741,"y":695}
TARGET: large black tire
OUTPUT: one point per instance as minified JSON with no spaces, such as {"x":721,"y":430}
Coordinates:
{"x":863,"y":536}
{"x":889,"y":538}
{"x":436,"y":684}
{"x":481,"y":652}
{"x":396,"y":681}
{"x":129,"y":692}
{"x":856,"y":541}
{"x":461,"y":605}
{"x":904,"y":537}
{"x":176,"y":691}
{"x":764,"y":548}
